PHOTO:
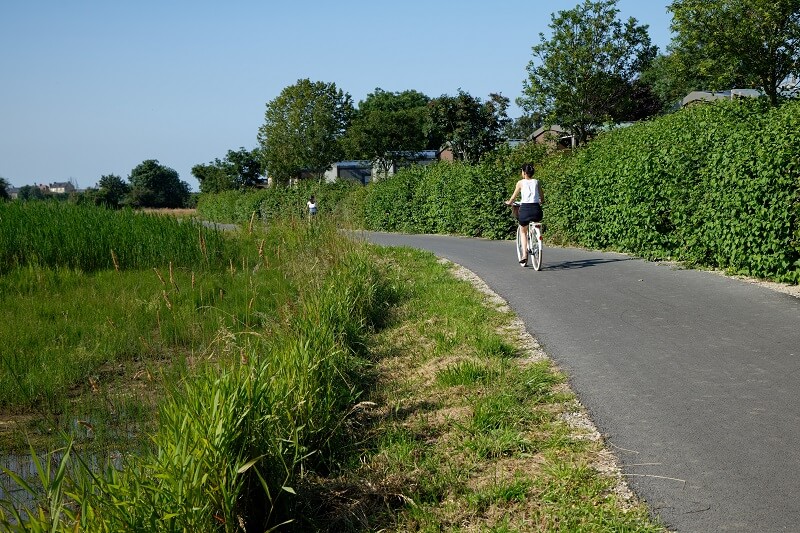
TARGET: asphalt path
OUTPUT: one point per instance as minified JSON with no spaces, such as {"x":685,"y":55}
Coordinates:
{"x":692,"y":377}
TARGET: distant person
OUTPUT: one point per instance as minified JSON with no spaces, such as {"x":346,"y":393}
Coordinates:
{"x":312,"y":206}
{"x":530,"y":203}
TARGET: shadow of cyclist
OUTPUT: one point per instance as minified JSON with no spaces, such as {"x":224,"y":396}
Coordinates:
{"x":583,"y":263}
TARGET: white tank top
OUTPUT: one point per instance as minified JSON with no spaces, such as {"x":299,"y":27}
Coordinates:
{"x":530,"y":192}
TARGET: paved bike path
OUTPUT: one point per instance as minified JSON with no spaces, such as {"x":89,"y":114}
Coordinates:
{"x":693,"y":377}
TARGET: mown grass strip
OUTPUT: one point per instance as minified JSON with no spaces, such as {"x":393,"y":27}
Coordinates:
{"x":467,"y":427}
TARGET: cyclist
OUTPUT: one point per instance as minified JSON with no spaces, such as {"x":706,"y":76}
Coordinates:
{"x":312,"y":206}
{"x":530,"y":208}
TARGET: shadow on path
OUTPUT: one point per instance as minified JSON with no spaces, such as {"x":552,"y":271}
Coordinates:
{"x":583,"y":263}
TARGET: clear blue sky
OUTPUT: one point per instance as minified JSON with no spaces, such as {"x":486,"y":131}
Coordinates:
{"x":91,"y":87}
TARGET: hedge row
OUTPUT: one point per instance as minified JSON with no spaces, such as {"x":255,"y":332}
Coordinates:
{"x":453,"y":198}
{"x":715,"y":185}
{"x":238,"y":207}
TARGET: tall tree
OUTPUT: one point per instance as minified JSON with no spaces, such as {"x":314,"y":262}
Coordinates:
{"x":388,"y":127}
{"x":4,"y":186}
{"x":154,"y":185}
{"x":584,"y":74}
{"x":111,"y":190}
{"x":471,"y":127}
{"x":240,"y":169}
{"x":302,"y":129}
{"x":738,"y":43}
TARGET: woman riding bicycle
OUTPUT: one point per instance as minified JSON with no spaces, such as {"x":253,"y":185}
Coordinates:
{"x":531,"y":199}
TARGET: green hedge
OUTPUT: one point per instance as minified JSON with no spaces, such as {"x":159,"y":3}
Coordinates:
{"x":451,"y":198}
{"x":714,"y":185}
{"x":238,"y":207}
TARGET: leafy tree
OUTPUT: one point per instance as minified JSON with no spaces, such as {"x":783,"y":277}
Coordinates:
{"x":154,"y":185}
{"x":111,"y":191}
{"x":738,"y":43}
{"x":471,"y":127}
{"x":670,"y":79}
{"x":4,"y":186}
{"x":240,"y":169}
{"x":303,"y":128}
{"x":584,"y":75}
{"x":246,"y":165}
{"x":213,"y":177}
{"x":388,"y":128}
{"x":31,"y":192}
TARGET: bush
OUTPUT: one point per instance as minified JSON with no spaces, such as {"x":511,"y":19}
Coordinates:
{"x":239,"y":207}
{"x":714,"y":185}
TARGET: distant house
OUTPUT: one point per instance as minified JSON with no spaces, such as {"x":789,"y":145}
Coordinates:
{"x":60,"y":187}
{"x":699,"y":97}
{"x":356,"y":170}
{"x":554,"y":136}
{"x":363,"y":171}
{"x":13,"y":192}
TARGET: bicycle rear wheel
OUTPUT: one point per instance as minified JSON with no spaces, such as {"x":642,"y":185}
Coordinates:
{"x":535,"y":245}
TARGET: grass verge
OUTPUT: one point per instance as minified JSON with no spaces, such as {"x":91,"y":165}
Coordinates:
{"x":468,"y":426}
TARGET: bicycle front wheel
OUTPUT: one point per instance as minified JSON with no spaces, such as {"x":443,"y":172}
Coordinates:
{"x":535,"y":245}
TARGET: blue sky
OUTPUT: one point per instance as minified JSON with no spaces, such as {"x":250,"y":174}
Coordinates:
{"x":90,"y":87}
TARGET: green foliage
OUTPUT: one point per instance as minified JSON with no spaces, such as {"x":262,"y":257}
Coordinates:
{"x":154,"y":185}
{"x":389,"y":128}
{"x":471,"y":128}
{"x":4,"y":186}
{"x":454,"y":198}
{"x":302,"y":129}
{"x":88,"y":238}
{"x":584,"y":74}
{"x":266,"y":406}
{"x":276,"y":202}
{"x":737,"y":43}
{"x":111,"y":191}
{"x":239,"y":170}
{"x":714,"y":185}
{"x":30,"y":192}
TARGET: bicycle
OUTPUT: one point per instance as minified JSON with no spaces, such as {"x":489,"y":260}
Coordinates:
{"x":535,"y":246}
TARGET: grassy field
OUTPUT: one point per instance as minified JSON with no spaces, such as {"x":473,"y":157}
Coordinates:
{"x":288,"y":378}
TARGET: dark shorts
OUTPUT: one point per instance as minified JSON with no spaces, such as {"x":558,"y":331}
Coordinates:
{"x":529,"y":213}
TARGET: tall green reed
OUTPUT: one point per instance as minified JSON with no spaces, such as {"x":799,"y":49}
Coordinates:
{"x":267,"y":405}
{"x":89,"y":238}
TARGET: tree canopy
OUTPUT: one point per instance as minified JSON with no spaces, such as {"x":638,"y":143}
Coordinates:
{"x":111,"y":190}
{"x":240,"y":169}
{"x":471,"y":127}
{"x":727,"y":44}
{"x":30,"y":192}
{"x":303,"y":128}
{"x":585,"y":74}
{"x":389,"y":127}
{"x":154,"y":185}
